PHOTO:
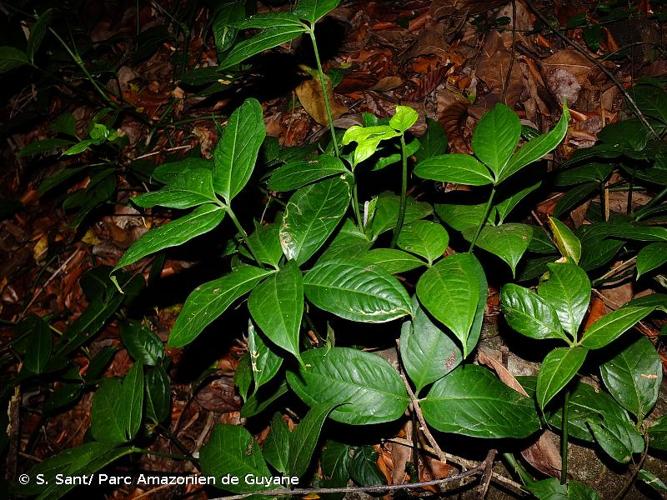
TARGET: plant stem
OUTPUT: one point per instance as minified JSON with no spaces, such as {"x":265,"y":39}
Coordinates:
{"x":355,"y":207}
{"x":564,"y":439}
{"x":244,"y":235}
{"x":404,"y":188}
{"x":325,"y":89}
{"x":656,"y":199}
{"x":482,"y":223}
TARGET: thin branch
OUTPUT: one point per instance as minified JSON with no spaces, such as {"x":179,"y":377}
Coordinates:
{"x":488,"y":473}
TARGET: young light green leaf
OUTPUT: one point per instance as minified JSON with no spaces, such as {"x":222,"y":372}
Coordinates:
{"x":455,"y":167}
{"x":367,"y":388}
{"x":471,"y":401}
{"x":424,"y":238}
{"x":566,"y":241}
{"x":11,"y":57}
{"x":529,"y":314}
{"x":633,"y":376}
{"x":393,"y":261}
{"x":508,"y":241}
{"x":311,"y":215}
{"x":495,"y":137}
{"x":304,"y":439}
{"x":236,"y":152}
{"x":276,"y":449}
{"x":367,"y":139}
{"x":276,"y":305}
{"x":201,"y":220}
{"x":568,"y":291}
{"x":651,"y":257}
{"x":404,"y":118}
{"x":357,"y":291}
{"x":195,"y":187}
{"x":450,"y":291}
{"x":265,"y":40}
{"x":297,"y":174}
{"x":611,"y":326}
{"x":208,"y":301}
{"x":558,"y":368}
{"x":314,"y":10}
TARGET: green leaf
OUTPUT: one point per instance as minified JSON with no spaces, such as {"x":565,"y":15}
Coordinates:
{"x":11,"y":57}
{"x":367,"y":139}
{"x":269,"y":20}
{"x":201,"y":220}
{"x":386,"y":213}
{"x":558,"y":368}
{"x":652,"y":480}
{"x":471,"y":401}
{"x":276,"y":305}
{"x":393,"y":261}
{"x":424,"y":238}
{"x":536,"y":148}
{"x":461,"y":217}
{"x":357,"y":291}
{"x":363,"y":467}
{"x":568,"y":291}
{"x":64,"y":124}
{"x":505,"y":207}
{"x":450,"y":291}
{"x":224,"y":29}
{"x":142,"y":344}
{"x":335,"y":461}
{"x":168,"y":172}
{"x":367,"y":388}
{"x":551,"y":489}
{"x":297,"y":174}
{"x":232,"y":450}
{"x":311,"y":215}
{"x":495,"y":137}
{"x":433,"y":142}
{"x":529,"y":314}
{"x":37,"y":33}
{"x":633,"y":377}
{"x":508,"y":241}
{"x":349,"y":243}
{"x":575,"y":197}
{"x":590,"y":172}
{"x":404,"y":118}
{"x":264,"y":363}
{"x":265,"y":40}
{"x":192,"y":188}
{"x":568,"y":244}
{"x":45,"y":146}
{"x":427,"y":352}
{"x":314,"y":10}
{"x":611,"y":326}
{"x":657,"y":434}
{"x":277,"y":446}
{"x":236,"y":152}
{"x":456,"y":168}
{"x":158,"y":394}
{"x":208,"y":301}
{"x":651,"y":257}
{"x":617,"y":439}
{"x":304,"y":439}
{"x":37,"y":345}
{"x":266,"y":243}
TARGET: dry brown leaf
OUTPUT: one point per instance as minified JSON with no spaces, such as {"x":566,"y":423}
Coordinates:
{"x":311,"y":97}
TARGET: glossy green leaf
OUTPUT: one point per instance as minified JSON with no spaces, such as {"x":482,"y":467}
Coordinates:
{"x":236,"y":152}
{"x":335,"y":461}
{"x":193,"y":188}
{"x":509,"y":203}
{"x":651,"y":257}
{"x":223,"y":27}
{"x":427,"y":352}
{"x":508,"y":241}
{"x":367,"y":139}
{"x":450,"y":291}
{"x":471,"y":401}
{"x":313,"y":10}
{"x":304,"y":439}
{"x":529,"y":314}
{"x":201,"y":220}
{"x":11,"y":57}
{"x":566,"y":241}
{"x":357,"y":291}
{"x":232,"y":450}
{"x":568,"y":291}
{"x":276,"y":449}
{"x":456,"y":168}
{"x":650,"y":479}
{"x":552,"y":489}
{"x":264,"y":363}
{"x":142,"y":344}
{"x":269,"y":20}
{"x":297,"y":174}
{"x":657,"y":434}
{"x":536,"y":148}
{"x":265,"y":240}
{"x":617,"y":439}
{"x":169,"y":172}
{"x":158,"y":394}
{"x":433,"y":142}
{"x":611,"y":326}
{"x":558,"y":368}
{"x":574,"y":197}
{"x":265,"y":40}
{"x":208,"y":301}
{"x":424,"y":238}
{"x":386,"y":213}
{"x":590,"y":172}
{"x":404,"y":118}
{"x":363,"y":467}
{"x":276,"y":305}
{"x":393,"y":261}
{"x":349,"y":243}
{"x":461,"y":217}
{"x":633,"y":376}
{"x":495,"y":137}
{"x":367,"y":388}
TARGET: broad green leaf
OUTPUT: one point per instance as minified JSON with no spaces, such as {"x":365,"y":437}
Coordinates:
{"x":142,"y":344}
{"x":575,"y":197}
{"x":265,"y":40}
{"x":630,"y":134}
{"x":168,"y":172}
{"x":11,"y":57}
{"x":349,"y":243}
{"x":208,"y":301}
{"x":385,"y":161}
{"x":311,"y":215}
{"x":45,"y":146}
{"x":297,"y":174}
{"x":536,"y":148}
{"x":427,"y":352}
{"x":363,"y":467}
{"x":158,"y":394}
{"x":236,"y":152}
{"x":558,"y":368}
{"x":647,"y":477}
{"x":201,"y":220}
{"x":505,"y":207}
{"x":195,"y":187}
{"x":232,"y":450}
{"x":264,"y":363}
{"x":223,"y":26}
{"x":367,"y":388}
{"x":508,"y":241}
{"x":456,"y":168}
{"x":269,"y":20}
{"x":461,"y":217}
{"x":386,"y":213}
{"x":276,"y":449}
{"x":566,"y":241}
{"x":433,"y":142}
{"x":651,"y":257}
{"x":64,"y":124}
{"x":393,"y":261}
{"x":357,"y":291}
{"x":257,"y":403}
{"x":590,"y":172}
{"x":276,"y":305}
{"x":314,"y":10}
{"x":495,"y":137}
{"x":266,"y":243}
{"x":450,"y":291}
{"x":568,"y":291}
{"x":652,"y":100}
{"x":37,"y":33}
{"x":617,"y":439}
{"x":404,"y":118}
{"x":630,"y":231}
{"x":471,"y":401}
{"x":657,"y":434}
{"x":37,"y":345}
{"x":551,"y":489}
{"x":367,"y":139}
{"x":335,"y":461}
{"x":304,"y":439}
{"x":611,"y":326}
{"x":529,"y":314}
{"x":243,"y":376}
{"x":424,"y":238}
{"x":633,"y":376}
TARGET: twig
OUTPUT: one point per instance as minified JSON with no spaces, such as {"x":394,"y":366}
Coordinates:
{"x":626,"y":487}
{"x":513,"y":53}
{"x":488,"y":471}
